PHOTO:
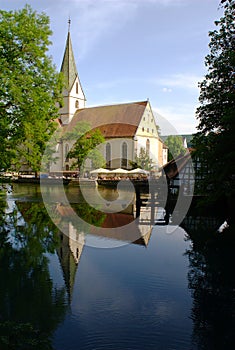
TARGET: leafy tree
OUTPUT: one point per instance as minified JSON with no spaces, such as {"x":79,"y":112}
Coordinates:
{"x":175,"y":145}
{"x":86,"y":141}
{"x":214,"y":142}
{"x":142,"y":160}
{"x":29,"y":89}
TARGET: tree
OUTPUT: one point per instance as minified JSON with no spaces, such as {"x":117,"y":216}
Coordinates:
{"x":214,"y":143}
{"x":86,"y":141}
{"x":29,"y":90}
{"x":175,"y":146}
{"x":142,"y":160}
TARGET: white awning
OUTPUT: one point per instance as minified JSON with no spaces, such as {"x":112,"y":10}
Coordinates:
{"x":100,"y":171}
{"x":138,"y":171}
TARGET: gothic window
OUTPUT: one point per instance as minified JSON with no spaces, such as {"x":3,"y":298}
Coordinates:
{"x":147,"y":146}
{"x":76,"y":104}
{"x":108,"y":155}
{"x":66,"y":152}
{"x":124,"y":155}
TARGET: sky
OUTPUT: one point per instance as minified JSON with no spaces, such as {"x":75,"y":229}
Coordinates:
{"x":134,"y":50}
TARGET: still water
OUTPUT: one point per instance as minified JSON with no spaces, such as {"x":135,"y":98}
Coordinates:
{"x":66,"y":288}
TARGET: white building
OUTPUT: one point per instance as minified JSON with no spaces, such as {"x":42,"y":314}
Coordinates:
{"x":126,"y":127}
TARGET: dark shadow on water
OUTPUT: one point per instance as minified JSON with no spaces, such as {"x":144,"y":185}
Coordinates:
{"x":30,"y":306}
{"x":211,"y":279}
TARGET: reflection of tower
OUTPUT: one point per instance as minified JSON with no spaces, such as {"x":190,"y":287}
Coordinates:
{"x":69,"y":252}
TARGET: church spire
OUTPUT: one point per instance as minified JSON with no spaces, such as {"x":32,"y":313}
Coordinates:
{"x":68,"y":67}
{"x":73,"y":95}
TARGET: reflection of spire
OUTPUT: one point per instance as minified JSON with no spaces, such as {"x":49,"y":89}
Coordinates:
{"x":69,"y":252}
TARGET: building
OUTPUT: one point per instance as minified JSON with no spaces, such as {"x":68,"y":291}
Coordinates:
{"x":126,"y":127}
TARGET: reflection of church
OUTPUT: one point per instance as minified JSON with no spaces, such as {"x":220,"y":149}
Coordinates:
{"x":126,"y":127}
{"x":69,"y":252}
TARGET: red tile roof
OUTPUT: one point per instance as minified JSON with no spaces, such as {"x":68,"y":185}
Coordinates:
{"x":121,"y":120}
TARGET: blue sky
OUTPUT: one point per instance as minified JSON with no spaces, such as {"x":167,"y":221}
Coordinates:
{"x":131,"y":50}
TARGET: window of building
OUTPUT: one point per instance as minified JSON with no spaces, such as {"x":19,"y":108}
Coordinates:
{"x":108,"y":155}
{"x":76,"y":88}
{"x":124,"y":155}
{"x":147,"y":146}
{"x":147,"y":129}
{"x":66,"y":152}
{"x":143,"y":129}
{"x":76,"y":104}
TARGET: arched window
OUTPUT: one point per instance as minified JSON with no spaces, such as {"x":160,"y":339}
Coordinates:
{"x":147,"y":146}
{"x":66,"y":152}
{"x":76,"y":104}
{"x":124,"y":155}
{"x":108,"y":155}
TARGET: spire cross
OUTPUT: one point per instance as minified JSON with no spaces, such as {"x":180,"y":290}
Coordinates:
{"x":69,"y":23}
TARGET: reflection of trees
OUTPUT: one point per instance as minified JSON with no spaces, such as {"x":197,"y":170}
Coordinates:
{"x":89,"y":214}
{"x":31,"y":307}
{"x":212,"y":282}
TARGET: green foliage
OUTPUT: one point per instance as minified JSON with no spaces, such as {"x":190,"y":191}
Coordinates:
{"x":31,"y":306}
{"x":29,"y":89}
{"x":86,"y":141}
{"x":142,"y":160}
{"x":22,"y":336}
{"x":175,"y":146}
{"x":89,"y":214}
{"x":214,"y":142}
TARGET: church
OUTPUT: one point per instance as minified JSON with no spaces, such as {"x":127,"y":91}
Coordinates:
{"x":126,"y":127}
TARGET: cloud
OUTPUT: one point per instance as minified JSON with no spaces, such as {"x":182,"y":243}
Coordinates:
{"x":176,"y":119}
{"x":186,"y":81}
{"x":165,"y":89}
{"x":138,"y":2}
{"x":96,"y":19}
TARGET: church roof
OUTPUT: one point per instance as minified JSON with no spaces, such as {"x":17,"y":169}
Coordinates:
{"x":120,"y":120}
{"x":68,"y":67}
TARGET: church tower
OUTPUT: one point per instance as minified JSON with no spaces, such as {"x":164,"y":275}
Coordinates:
{"x":73,"y":95}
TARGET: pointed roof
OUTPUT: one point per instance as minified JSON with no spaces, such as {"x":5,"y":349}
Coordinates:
{"x":68,"y":67}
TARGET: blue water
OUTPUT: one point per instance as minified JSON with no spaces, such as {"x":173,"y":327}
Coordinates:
{"x":132,"y":297}
{"x":163,"y":291}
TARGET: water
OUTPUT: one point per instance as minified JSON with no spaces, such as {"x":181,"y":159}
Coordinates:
{"x":161,"y":290}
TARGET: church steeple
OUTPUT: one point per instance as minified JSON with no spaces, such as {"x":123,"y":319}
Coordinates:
{"x":73,"y":94}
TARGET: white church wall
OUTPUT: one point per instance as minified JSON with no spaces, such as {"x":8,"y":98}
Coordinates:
{"x":116,"y":152}
{"x":73,"y":100}
{"x":147,"y":130}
